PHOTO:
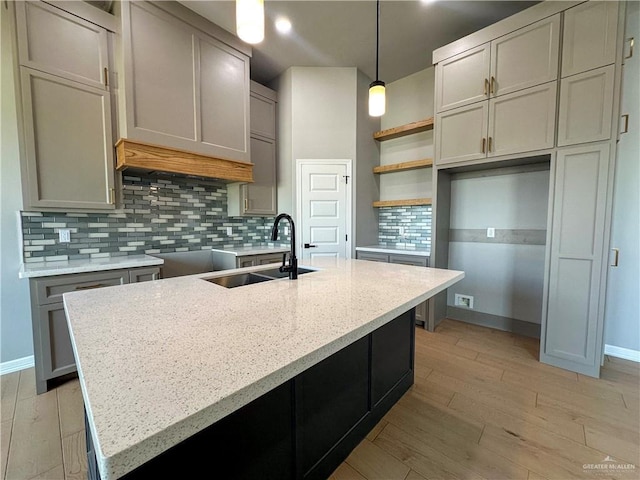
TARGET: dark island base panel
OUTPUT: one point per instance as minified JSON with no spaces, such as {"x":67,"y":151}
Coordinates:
{"x":304,"y":428}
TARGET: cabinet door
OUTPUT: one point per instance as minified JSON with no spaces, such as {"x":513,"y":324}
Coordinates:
{"x":57,"y":352}
{"x":463,"y":79}
{"x":586,"y":106}
{"x":259,"y":198}
{"x":248,"y":261}
{"x":461,"y":134}
{"x":526,"y":57}
{"x":160,"y":81}
{"x":589,"y":37}
{"x":372,"y":256}
{"x":68,"y":143}
{"x":523,"y":121}
{"x":223,"y":105}
{"x":137,"y":275}
{"x":57,"y":42}
{"x":263,"y":116}
{"x":572,"y":329}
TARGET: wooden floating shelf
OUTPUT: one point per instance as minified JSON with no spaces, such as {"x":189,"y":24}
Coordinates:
{"x":147,"y":157}
{"x":402,"y":203}
{"x":402,"y":130}
{"x":404,"y":166}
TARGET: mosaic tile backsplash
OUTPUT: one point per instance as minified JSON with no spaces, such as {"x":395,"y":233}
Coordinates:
{"x":160,"y":214}
{"x":414,"y":220}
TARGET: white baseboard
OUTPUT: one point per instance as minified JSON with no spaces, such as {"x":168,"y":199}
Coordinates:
{"x":16,"y":365}
{"x":619,"y":352}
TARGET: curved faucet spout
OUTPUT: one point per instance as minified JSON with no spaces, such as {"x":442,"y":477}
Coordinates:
{"x":292,"y":268}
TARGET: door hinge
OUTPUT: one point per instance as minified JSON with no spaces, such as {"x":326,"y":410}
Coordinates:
{"x":346,"y":238}
{"x":346,"y":179}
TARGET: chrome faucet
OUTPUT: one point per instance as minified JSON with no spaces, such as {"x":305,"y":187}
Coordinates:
{"x":292,"y":268}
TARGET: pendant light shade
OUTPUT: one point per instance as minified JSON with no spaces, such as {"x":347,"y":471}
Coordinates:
{"x":250,"y":20}
{"x":377,"y":97}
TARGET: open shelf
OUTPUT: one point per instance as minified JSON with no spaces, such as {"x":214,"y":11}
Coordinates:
{"x":402,"y":203}
{"x":402,"y":130}
{"x":404,"y":166}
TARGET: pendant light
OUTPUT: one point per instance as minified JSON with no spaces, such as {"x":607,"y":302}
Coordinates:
{"x":250,"y":20}
{"x":377,"y":99}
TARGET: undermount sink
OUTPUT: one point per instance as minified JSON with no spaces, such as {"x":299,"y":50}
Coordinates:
{"x":241,"y":279}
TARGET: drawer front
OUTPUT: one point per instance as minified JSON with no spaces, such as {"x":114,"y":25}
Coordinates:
{"x":50,"y":290}
{"x":269,"y":258}
{"x":372,"y":257}
{"x":409,"y":260}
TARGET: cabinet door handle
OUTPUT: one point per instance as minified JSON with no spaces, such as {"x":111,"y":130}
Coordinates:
{"x":106,"y":77}
{"x":616,"y":255}
{"x":486,"y":87}
{"x":89,"y":287}
{"x":631,"y":42}
{"x":484,"y":145}
{"x":489,"y":149}
{"x":493,"y":85}
{"x":246,"y":204}
{"x":626,"y":123}
{"x":112,"y":196}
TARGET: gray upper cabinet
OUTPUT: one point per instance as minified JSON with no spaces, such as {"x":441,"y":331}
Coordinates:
{"x":589,"y":37}
{"x":526,"y":57}
{"x":54,"y":41}
{"x":183,"y":87}
{"x":259,"y":198}
{"x":66,"y":110}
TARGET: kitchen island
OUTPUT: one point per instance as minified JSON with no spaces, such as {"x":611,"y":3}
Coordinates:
{"x":169,"y":368}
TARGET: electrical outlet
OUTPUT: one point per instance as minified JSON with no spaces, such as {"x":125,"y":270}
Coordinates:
{"x":401,"y":231}
{"x":491,"y":232}
{"x":286,"y":230}
{"x":64,"y":235}
{"x":229,"y":231}
{"x":465,"y":301}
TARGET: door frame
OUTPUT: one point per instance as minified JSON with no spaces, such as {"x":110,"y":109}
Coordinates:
{"x":347,"y":162}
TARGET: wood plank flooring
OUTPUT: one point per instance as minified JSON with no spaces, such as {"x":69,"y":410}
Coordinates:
{"x":482,"y":407}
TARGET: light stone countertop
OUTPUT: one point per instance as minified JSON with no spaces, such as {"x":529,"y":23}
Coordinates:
{"x":48,"y":269}
{"x":400,"y":250}
{"x":254,"y":250}
{"x":160,"y":361}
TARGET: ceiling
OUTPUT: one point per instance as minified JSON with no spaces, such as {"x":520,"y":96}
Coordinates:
{"x":334,"y":33}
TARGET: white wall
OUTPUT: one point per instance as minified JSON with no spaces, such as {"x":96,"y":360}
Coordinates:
{"x":408,"y":100}
{"x":15,"y":312}
{"x":319,"y":118}
{"x":505,"y":279}
{"x":622,"y":317}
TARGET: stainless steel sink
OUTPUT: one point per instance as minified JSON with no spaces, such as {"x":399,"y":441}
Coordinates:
{"x":276,"y":273}
{"x":241,"y":279}
{"x":238,"y":280}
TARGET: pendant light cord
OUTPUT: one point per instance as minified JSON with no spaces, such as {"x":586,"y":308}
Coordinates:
{"x":377,"y":35}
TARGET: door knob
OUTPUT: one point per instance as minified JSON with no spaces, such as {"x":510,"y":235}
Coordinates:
{"x":308,"y":245}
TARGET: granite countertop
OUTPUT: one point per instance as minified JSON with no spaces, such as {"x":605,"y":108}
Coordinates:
{"x":253,"y":250}
{"x":48,"y":269}
{"x":160,"y":361}
{"x":401,"y":250}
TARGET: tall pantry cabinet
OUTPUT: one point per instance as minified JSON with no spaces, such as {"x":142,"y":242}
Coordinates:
{"x":542,"y":85}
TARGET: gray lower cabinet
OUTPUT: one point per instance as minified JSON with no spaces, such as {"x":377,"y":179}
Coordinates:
{"x":400,"y":258}
{"x":230,"y":260}
{"x":52,"y":345}
{"x":573,"y":328}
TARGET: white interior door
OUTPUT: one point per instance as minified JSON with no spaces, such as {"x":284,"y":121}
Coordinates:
{"x":324,"y":209}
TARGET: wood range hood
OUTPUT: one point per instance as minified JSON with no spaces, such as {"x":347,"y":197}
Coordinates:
{"x":136,"y":155}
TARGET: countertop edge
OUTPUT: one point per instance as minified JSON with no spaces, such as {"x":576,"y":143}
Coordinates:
{"x":54,"y":270}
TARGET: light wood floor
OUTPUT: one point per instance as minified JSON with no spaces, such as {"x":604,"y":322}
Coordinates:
{"x":482,"y":407}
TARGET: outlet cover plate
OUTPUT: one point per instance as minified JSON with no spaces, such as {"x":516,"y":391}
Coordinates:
{"x":64,"y":235}
{"x":491,"y":232}
{"x":464,"y":301}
